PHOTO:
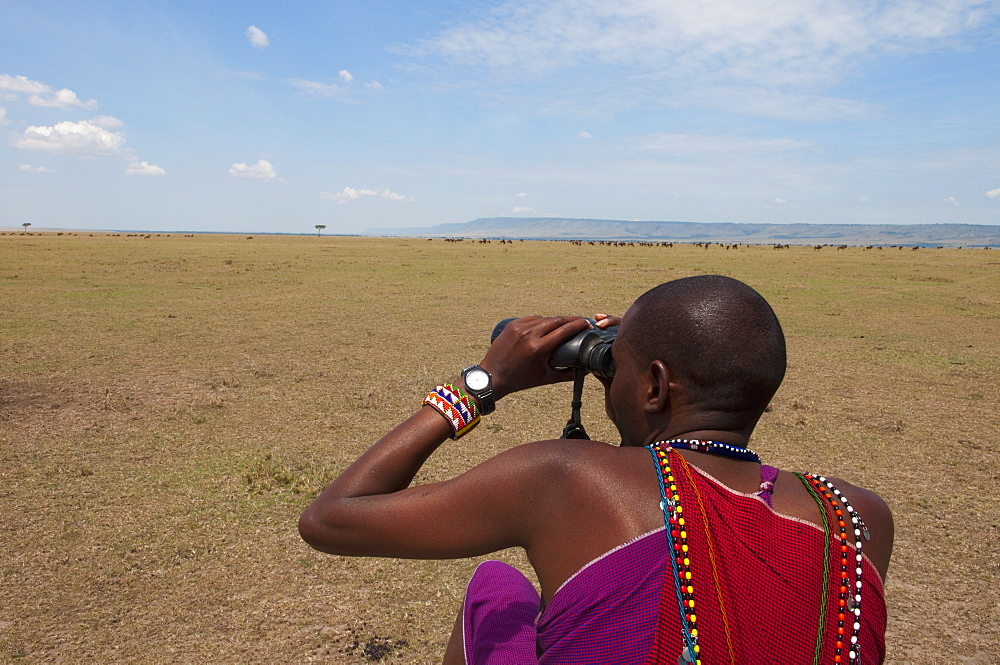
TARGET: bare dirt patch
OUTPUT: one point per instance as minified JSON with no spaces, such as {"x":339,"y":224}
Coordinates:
{"x":19,"y":396}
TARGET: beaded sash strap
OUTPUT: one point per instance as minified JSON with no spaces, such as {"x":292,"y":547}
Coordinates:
{"x":849,"y":601}
{"x":680,"y":561}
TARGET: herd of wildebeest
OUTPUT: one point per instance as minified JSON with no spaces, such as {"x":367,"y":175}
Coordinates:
{"x":705,"y":245}
{"x":508,"y":241}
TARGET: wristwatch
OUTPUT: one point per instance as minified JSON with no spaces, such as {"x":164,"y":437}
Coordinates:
{"x":479,"y":384}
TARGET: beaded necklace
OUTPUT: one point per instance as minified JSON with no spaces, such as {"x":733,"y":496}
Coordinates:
{"x":848,"y":605}
{"x":713,"y":448}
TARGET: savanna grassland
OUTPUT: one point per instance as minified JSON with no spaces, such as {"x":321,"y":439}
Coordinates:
{"x":169,"y":404}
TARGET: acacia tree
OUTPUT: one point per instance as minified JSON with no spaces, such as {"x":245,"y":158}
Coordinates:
{"x":319,"y":229}
{"x":25,"y":225}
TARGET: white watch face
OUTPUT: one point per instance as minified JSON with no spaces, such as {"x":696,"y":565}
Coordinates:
{"x":477,"y":379}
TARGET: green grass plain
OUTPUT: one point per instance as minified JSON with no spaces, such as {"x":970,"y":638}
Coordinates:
{"x":169,"y":404}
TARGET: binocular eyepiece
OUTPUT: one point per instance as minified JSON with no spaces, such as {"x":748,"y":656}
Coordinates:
{"x":589,"y":350}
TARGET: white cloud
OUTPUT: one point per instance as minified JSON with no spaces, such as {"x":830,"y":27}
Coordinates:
{"x":42,"y":94}
{"x":951,"y":200}
{"x":994,"y":193}
{"x":347,"y":194}
{"x":393,"y":196}
{"x":33,"y":169}
{"x":521,"y":195}
{"x":343,"y":90}
{"x":518,"y":210}
{"x":780,"y":201}
{"x":107,"y":121}
{"x":143,"y":168}
{"x":768,"y":100}
{"x":585,"y":135}
{"x":3,"y":116}
{"x":352,"y":194}
{"x":257,"y":37}
{"x":791,"y":39}
{"x":317,"y":88}
{"x":262,"y":170}
{"x":83,"y":139}
{"x":23,"y":84}
{"x":62,"y":99}
{"x":701,"y":144}
{"x":702,"y":51}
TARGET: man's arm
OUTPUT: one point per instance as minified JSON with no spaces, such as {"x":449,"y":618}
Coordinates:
{"x":370,"y":510}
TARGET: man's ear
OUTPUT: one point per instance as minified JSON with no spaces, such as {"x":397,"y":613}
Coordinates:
{"x":657,"y":388}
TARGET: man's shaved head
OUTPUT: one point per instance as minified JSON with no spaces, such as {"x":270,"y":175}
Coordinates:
{"x":716,"y":334}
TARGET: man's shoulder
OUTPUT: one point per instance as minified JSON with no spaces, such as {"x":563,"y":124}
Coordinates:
{"x":566,"y":457}
{"x":877,"y":519}
{"x":861,"y":497}
{"x":570,"y":450}
{"x":866,"y":502}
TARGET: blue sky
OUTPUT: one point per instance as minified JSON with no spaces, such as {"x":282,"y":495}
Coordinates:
{"x":257,"y":117}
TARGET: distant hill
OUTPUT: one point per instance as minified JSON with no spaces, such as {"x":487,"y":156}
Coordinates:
{"x":559,"y":228}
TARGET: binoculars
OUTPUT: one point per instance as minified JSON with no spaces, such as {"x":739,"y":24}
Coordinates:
{"x":589,"y":350}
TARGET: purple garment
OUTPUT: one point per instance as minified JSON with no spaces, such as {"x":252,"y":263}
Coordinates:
{"x":605,"y":613}
{"x":608,"y":611}
{"x":499,"y":616}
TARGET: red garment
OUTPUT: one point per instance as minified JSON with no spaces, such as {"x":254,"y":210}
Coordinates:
{"x":769,"y":569}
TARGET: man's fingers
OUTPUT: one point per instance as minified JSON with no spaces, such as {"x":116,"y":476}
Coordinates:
{"x":569,"y":325}
{"x":549,"y":329}
{"x":607,"y":320}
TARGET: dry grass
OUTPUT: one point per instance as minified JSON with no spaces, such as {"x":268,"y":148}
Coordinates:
{"x":168,"y":405}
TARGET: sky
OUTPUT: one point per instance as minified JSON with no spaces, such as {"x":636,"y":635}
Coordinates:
{"x":364,"y":114}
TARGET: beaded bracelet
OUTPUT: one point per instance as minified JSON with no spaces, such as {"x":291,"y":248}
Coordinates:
{"x":458,"y":408}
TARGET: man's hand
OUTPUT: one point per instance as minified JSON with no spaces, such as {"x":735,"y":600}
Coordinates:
{"x":519,"y":358}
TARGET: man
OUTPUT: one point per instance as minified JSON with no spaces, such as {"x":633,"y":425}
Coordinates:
{"x":676,"y":546}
